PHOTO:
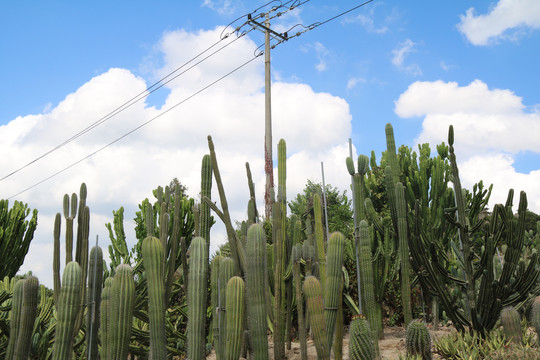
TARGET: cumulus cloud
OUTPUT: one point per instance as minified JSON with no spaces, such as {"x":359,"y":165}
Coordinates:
{"x":222,"y":7}
{"x":491,"y":126}
{"x":508,"y":19}
{"x":315,"y":126}
{"x":400,"y":54}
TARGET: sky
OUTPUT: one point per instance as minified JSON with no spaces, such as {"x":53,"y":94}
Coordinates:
{"x":418,"y":65}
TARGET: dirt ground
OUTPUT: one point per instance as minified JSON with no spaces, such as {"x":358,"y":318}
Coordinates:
{"x":390,"y":347}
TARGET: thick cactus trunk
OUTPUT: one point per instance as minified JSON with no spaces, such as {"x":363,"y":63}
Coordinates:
{"x":197,"y":300}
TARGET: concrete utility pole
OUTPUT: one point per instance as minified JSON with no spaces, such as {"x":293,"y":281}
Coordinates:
{"x":269,"y":197}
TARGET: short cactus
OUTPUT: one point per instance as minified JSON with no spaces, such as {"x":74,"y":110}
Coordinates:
{"x":235,"y":317}
{"x":511,"y":322}
{"x":28,"y":317}
{"x":535,"y":317}
{"x":418,"y":340}
{"x":360,"y":343}
{"x":121,"y":311}
{"x":314,"y":302}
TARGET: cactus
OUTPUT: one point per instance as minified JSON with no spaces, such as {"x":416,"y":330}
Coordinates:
{"x":235,"y":317}
{"x":122,"y":299}
{"x":197,"y":299}
{"x":511,"y":322}
{"x":206,"y":190}
{"x":401,"y":207}
{"x":319,"y":243}
{"x":152,"y":252}
{"x":28,"y":317}
{"x":214,"y":298}
{"x":296,"y":257}
{"x":104,"y":319}
{"x":15,"y":321}
{"x":277,"y":235}
{"x":227,"y":269}
{"x":68,"y":310}
{"x":360,"y":342}
{"x":535,"y":317}
{"x":256,"y":283}
{"x":314,"y":303}
{"x":367,"y":279}
{"x":336,"y":253}
{"x":418,"y":340}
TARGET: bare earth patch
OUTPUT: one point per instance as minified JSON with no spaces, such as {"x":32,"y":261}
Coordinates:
{"x":390,"y":347}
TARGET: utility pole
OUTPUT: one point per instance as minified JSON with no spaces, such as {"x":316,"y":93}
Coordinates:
{"x":269,"y":197}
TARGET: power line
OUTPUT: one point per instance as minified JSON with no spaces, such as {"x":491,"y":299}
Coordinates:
{"x":137,"y":128}
{"x":149,"y":90}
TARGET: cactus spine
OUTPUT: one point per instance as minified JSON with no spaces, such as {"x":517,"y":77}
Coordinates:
{"x":68,"y":310}
{"x":418,"y":341}
{"x":314,"y":302}
{"x":197,"y":300}
{"x":256,"y":283}
{"x":235,"y":317}
{"x":361,"y":343}
{"x":152,"y":252}
{"x":336,"y":253}
{"x":511,"y":322}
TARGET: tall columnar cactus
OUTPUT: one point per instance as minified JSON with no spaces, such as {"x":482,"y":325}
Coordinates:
{"x":511,"y":322}
{"x":277,"y":235}
{"x":235,"y":317}
{"x":28,"y":317}
{"x":535,"y":317}
{"x":206,"y":190}
{"x":336,"y":253}
{"x":121,"y":311}
{"x":319,"y":243}
{"x":418,"y":340}
{"x":152,"y":252}
{"x":15,"y":321}
{"x":104,"y":319}
{"x":401,"y":207}
{"x":227,"y":269}
{"x":368,"y":286}
{"x":360,"y":341}
{"x":256,"y":283}
{"x":315,"y":308}
{"x":68,"y":310}
{"x":197,"y":300}
{"x":214,"y":298}
{"x":296,"y":257}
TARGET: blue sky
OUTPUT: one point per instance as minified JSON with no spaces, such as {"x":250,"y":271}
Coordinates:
{"x":419,"y":65}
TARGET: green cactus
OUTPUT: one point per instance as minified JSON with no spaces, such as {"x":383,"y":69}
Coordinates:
{"x":336,"y":254}
{"x":121,"y":304}
{"x":235,"y":317}
{"x":15,"y":321}
{"x":314,"y":303}
{"x":256,"y":283}
{"x":360,"y":340}
{"x":68,"y":310}
{"x":104,"y":319}
{"x":511,"y":322}
{"x":418,"y":340}
{"x":227,"y":269}
{"x":28,"y":317}
{"x":535,"y":317}
{"x":319,"y":243}
{"x":206,"y":190}
{"x":296,"y":257}
{"x":277,"y":235}
{"x":152,"y":252}
{"x":197,"y":300}
{"x":401,"y":207}
{"x":367,"y":279}
{"x":213,"y":336}
{"x":95,"y":281}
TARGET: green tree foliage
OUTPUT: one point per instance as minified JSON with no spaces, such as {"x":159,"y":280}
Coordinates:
{"x":16,"y":233}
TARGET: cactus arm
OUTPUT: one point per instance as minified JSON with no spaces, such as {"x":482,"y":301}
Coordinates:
{"x":56,"y":259}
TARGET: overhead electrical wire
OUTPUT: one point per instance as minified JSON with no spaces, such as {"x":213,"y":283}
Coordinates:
{"x":160,"y":83}
{"x":137,"y":128}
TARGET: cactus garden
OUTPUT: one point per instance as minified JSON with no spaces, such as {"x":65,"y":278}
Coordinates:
{"x":414,"y":254}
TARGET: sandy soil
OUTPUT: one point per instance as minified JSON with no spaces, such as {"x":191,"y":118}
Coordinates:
{"x":390,"y":347}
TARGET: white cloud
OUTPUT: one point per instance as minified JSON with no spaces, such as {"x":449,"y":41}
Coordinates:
{"x":315,"y":126}
{"x":491,"y":126}
{"x":352,"y":82}
{"x":507,"y":19}
{"x":367,"y":20}
{"x":399,"y":55}
{"x":222,"y":7}
{"x":322,"y":55}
